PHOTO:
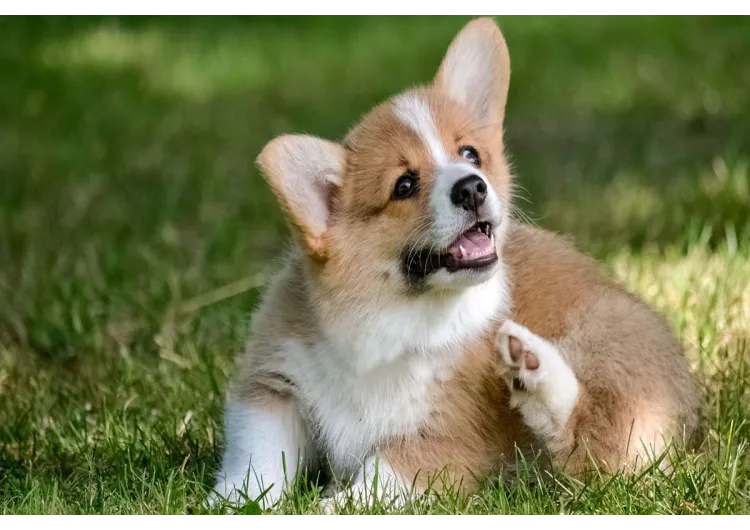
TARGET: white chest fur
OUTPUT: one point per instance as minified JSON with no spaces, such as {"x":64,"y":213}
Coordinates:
{"x":354,"y":412}
{"x":372,"y":377}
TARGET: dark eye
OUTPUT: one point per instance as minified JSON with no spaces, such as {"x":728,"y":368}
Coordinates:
{"x":470,"y":154}
{"x":406,"y":186}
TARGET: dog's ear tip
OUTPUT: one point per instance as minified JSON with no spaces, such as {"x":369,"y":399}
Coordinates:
{"x":476,"y":69}
{"x":270,"y":151}
{"x":485,"y":23}
{"x":263,"y":159}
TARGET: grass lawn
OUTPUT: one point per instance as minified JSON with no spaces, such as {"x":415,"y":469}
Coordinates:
{"x":134,"y":228}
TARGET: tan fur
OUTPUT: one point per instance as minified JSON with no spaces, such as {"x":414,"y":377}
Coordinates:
{"x":631,"y":368}
{"x":634,"y":380}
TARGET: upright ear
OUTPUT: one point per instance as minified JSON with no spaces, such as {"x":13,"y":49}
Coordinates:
{"x":476,"y":70}
{"x":303,"y":171}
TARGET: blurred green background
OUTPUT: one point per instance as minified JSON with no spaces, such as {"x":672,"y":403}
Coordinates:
{"x":134,"y":225}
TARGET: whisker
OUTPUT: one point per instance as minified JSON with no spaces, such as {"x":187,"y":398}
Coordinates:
{"x":515,"y":187}
{"x":518,"y":214}
{"x":423,"y":233}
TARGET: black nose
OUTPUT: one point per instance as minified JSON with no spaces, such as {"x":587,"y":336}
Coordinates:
{"x":469,"y":193}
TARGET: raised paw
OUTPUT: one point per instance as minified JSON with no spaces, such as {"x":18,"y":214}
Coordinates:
{"x":542,"y":385}
{"x":518,"y":361}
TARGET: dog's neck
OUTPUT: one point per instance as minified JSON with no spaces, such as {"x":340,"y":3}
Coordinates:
{"x":371,"y":334}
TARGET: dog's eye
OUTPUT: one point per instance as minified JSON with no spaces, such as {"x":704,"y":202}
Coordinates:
{"x":470,"y":154}
{"x":406,"y":186}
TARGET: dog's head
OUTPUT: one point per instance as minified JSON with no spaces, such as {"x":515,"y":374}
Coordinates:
{"x":416,"y":197}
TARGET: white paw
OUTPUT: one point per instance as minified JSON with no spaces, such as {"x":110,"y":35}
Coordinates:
{"x":376,"y":485}
{"x":354,"y":496}
{"x":327,"y":506}
{"x":332,"y":504}
{"x":542,"y":385}
{"x":328,"y":499}
{"x":525,"y":358}
{"x":359,"y":498}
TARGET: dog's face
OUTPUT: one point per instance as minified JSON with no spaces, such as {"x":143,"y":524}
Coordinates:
{"x":416,"y":198}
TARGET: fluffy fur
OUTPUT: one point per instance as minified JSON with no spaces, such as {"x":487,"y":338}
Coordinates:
{"x":357,"y":368}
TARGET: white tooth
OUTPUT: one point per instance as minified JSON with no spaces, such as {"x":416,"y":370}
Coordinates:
{"x":492,"y":238}
{"x":462,"y":249}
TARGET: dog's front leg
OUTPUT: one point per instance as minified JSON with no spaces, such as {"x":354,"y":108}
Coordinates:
{"x":267,"y":444}
{"x":613,"y":432}
{"x":542,"y":385}
{"x":543,"y":388}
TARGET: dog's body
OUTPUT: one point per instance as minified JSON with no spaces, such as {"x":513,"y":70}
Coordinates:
{"x":417,"y":329}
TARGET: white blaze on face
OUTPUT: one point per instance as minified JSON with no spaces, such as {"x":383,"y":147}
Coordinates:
{"x":414,"y":112}
{"x":447,"y":220}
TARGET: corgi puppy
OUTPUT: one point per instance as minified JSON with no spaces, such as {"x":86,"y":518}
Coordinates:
{"x":416,"y":330}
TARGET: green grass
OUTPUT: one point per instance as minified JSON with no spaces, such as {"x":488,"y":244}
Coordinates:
{"x":134,"y":228}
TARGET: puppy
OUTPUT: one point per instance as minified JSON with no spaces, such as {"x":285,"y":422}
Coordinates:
{"x":415,"y":330}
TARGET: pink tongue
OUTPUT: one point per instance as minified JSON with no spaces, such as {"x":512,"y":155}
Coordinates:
{"x":475,"y":245}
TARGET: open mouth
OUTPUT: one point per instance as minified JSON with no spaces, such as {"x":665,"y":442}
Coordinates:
{"x":473,"y":249}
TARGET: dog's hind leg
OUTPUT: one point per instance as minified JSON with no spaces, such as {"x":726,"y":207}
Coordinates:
{"x":579,"y":427}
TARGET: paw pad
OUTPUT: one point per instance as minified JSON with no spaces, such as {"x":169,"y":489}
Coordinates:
{"x":515,"y":347}
{"x":521,"y":355}
{"x":518,"y":364}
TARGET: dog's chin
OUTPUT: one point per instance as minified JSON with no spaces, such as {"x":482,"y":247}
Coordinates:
{"x":461,"y":279}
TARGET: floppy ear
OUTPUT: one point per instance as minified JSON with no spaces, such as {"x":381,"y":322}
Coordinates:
{"x":476,"y":70}
{"x":303,"y":171}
